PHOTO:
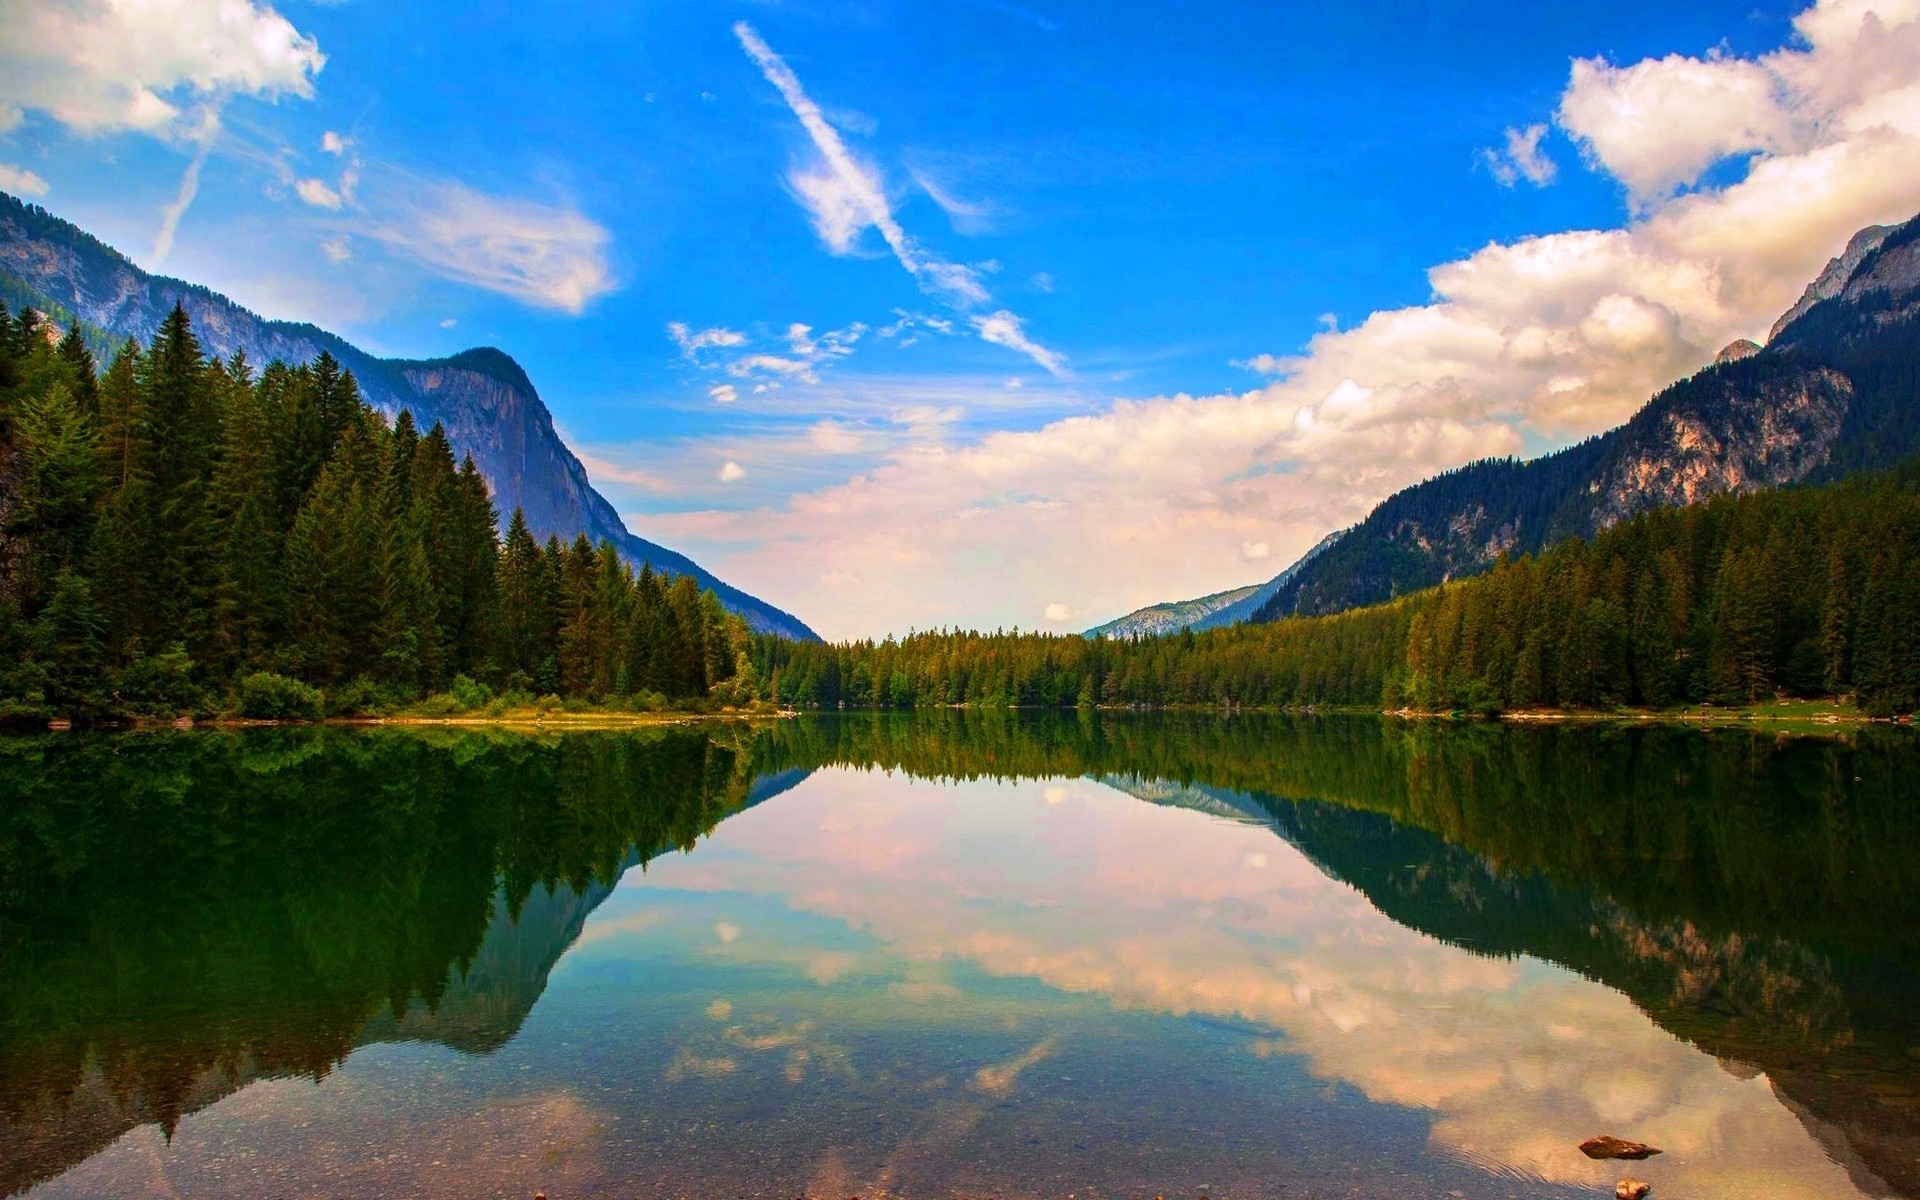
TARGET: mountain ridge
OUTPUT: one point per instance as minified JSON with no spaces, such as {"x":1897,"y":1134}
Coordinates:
{"x":483,"y":397}
{"x":1832,"y":392}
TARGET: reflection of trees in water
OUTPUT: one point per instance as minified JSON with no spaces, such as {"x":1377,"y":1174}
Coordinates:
{"x":183,"y":912}
{"x":180,"y":914}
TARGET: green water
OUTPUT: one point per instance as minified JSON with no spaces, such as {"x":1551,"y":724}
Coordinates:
{"x":960,"y":955}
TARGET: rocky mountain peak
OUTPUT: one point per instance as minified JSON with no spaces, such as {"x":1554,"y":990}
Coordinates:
{"x":1833,"y":280}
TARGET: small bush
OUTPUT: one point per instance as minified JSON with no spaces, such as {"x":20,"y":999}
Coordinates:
{"x":440,"y":704}
{"x":159,"y":684}
{"x":265,"y":696}
{"x":362,"y":697}
{"x":469,"y":693}
{"x":547,"y":703}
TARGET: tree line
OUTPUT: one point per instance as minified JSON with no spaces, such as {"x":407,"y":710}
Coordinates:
{"x":1804,"y":592}
{"x":180,"y":533}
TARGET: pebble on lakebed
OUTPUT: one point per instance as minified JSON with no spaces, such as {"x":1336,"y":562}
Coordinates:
{"x":1608,"y":1146}
{"x":1632,"y":1189}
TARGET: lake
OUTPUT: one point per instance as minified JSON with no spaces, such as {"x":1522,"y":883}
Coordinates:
{"x":960,"y":954}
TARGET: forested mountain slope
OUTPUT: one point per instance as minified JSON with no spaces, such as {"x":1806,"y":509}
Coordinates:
{"x":1836,"y":390}
{"x":486,"y":403}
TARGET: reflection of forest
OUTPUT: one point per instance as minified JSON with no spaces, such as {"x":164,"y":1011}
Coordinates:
{"x":1757,"y":896}
{"x":181,"y":913}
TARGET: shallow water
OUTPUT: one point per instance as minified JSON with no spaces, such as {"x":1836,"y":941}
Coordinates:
{"x":959,"y":955}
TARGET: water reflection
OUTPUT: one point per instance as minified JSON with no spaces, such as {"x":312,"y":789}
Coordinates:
{"x":1467,"y":949}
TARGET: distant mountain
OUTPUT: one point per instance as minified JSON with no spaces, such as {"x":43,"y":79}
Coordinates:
{"x":1836,"y":390}
{"x":1172,"y":616}
{"x":1208,"y":612}
{"x":487,"y":403}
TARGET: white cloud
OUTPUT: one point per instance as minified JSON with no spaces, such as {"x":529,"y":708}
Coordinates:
{"x":724,"y":393}
{"x":334,"y":143}
{"x":692,"y":341}
{"x":968,"y":217}
{"x":20,"y":181}
{"x":1521,"y":158}
{"x":731,"y":471}
{"x":749,"y":365}
{"x":204,"y":135}
{"x":1262,"y":364}
{"x":1057,"y":613}
{"x":448,"y":322}
{"x":1656,"y":125}
{"x":1004,"y":329}
{"x":317,"y":193}
{"x":1541,"y":340}
{"x":107,"y":66}
{"x":546,"y":255}
{"x":1255,"y":551}
{"x":846,"y":197}
{"x":337,"y":250}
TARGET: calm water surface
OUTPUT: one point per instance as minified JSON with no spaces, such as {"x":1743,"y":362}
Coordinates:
{"x":960,"y":955}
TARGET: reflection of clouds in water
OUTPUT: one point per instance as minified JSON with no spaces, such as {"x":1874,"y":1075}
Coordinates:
{"x":797,"y":1047}
{"x":726,"y":931}
{"x":1172,"y":912}
{"x":1000,"y":1078}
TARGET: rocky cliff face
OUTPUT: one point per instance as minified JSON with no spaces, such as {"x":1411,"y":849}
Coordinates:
{"x":1834,"y":278}
{"x":1837,"y":389}
{"x":1731,"y":435}
{"x":488,"y":405}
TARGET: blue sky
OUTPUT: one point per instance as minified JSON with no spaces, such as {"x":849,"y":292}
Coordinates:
{"x":1102,"y":303}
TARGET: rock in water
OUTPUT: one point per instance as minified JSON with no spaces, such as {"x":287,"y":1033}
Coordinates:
{"x":1632,"y":1189}
{"x":1608,"y":1146}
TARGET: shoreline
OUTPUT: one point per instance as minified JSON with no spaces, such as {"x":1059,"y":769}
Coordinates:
{"x":1782,"y":716}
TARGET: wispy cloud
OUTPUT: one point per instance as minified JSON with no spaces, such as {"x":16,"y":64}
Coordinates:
{"x":1005,"y":329}
{"x":846,"y":197}
{"x":795,"y":354}
{"x":692,"y":341}
{"x":547,"y":255}
{"x":203,"y":137}
{"x":1521,"y":158}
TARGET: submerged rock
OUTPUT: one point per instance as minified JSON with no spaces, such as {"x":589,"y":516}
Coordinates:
{"x":1632,"y":1189}
{"x":1608,"y":1146}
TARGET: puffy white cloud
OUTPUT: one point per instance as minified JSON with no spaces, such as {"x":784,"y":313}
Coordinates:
{"x":724,"y":393}
{"x":551,"y":256}
{"x":1521,"y":158}
{"x":1255,"y":551}
{"x":1657,"y":125}
{"x":731,"y":471}
{"x":20,"y":181}
{"x":1544,"y":339}
{"x":1057,"y":613}
{"x":334,"y":143}
{"x":107,"y":66}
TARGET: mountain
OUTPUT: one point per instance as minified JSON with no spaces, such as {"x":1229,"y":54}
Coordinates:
{"x":1172,"y":616}
{"x":1835,"y":390}
{"x":488,"y":405}
{"x":1208,"y":612}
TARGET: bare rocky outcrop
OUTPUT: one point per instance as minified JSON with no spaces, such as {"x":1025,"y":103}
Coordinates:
{"x":1833,"y":279}
{"x":1733,"y":440}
